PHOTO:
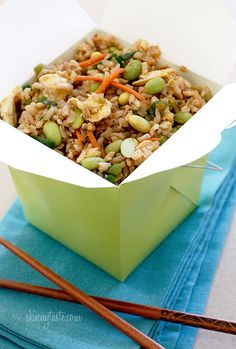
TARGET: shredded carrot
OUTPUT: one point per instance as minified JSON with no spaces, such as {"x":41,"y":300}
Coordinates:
{"x":80,"y":136}
{"x":88,"y":77}
{"x":92,"y":61}
{"x":107,"y":81}
{"x":115,"y":84}
{"x":92,"y":139}
{"x":153,"y":139}
{"x":129,"y":90}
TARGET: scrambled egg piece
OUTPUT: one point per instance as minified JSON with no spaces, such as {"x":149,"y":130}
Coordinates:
{"x":95,"y":108}
{"x":55,"y":86}
{"x":8,"y":106}
{"x":162,"y":73}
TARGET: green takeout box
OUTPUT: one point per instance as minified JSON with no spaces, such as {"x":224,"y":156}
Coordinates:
{"x":114,"y":228}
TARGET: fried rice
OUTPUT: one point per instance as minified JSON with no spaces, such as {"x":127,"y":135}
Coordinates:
{"x":103,"y":126}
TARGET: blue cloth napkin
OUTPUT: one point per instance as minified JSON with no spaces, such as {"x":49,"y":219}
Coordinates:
{"x":174,"y":275}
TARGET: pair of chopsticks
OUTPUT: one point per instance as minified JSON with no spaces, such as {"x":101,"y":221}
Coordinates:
{"x":101,"y":306}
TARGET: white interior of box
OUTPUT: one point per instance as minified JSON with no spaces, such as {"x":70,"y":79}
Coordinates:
{"x":196,"y":138}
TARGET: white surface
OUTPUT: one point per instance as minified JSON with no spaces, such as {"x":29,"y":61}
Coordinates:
{"x":32,"y":48}
{"x":199,"y":34}
{"x":222,"y":300}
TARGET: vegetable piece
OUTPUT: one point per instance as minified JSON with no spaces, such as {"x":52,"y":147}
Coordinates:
{"x":118,"y":59}
{"x":110,"y":177}
{"x":79,"y":120}
{"x":163,"y":139}
{"x":52,"y":132}
{"x":133,"y":70}
{"x":88,"y":77}
{"x":38,"y":68}
{"x":127,"y":55}
{"x":129,"y":90}
{"x":26,"y":86}
{"x":106,"y":82}
{"x":47,"y":102}
{"x":123,"y":98}
{"x":128,"y":147}
{"x":115,"y":169}
{"x":95,"y":54}
{"x":112,"y":49}
{"x":80,"y":136}
{"x":181,"y":117}
{"x":45,"y":141}
{"x":154,"y":86}
{"x":28,"y":101}
{"x":41,"y":98}
{"x":92,"y":139}
{"x":153,"y":139}
{"x":139,"y":123}
{"x":159,"y":105}
{"x":91,"y":163}
{"x":92,"y":61}
{"x":93,"y":86}
{"x":113,"y":147}
{"x":174,"y":129}
{"x":115,"y":84}
{"x":122,"y":58}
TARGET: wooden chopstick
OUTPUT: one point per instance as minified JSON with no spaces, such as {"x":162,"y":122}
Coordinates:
{"x":131,"y":308}
{"x":84,"y":299}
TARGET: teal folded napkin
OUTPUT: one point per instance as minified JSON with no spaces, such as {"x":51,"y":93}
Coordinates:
{"x":178,"y":275}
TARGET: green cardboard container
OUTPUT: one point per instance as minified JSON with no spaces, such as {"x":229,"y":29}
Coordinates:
{"x":114,"y":228}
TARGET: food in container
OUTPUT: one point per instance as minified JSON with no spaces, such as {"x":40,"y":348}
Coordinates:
{"x":108,"y":108}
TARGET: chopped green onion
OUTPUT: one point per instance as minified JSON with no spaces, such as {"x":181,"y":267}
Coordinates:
{"x":160,"y":105}
{"x":38,"y":68}
{"x":28,"y":101}
{"x":122,"y":58}
{"x":127,"y":55}
{"x":45,"y":141}
{"x":26,"y":86}
{"x":47,"y":102}
{"x":110,"y":177}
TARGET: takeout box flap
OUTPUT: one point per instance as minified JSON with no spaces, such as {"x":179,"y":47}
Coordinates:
{"x":35,"y":32}
{"x":198,"y":34}
{"x":196,"y":138}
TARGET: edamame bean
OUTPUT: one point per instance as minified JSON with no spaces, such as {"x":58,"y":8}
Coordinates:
{"x":123,"y":98}
{"x":52,"y":132}
{"x":139,"y":123}
{"x":113,"y":147}
{"x":133,"y":70}
{"x":128,"y":147}
{"x":38,"y":68}
{"x":181,"y":117}
{"x":91,"y":163}
{"x":95,"y":54}
{"x":93,"y":86}
{"x":154,"y":86}
{"x":115,"y":169}
{"x":78,"y":122}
